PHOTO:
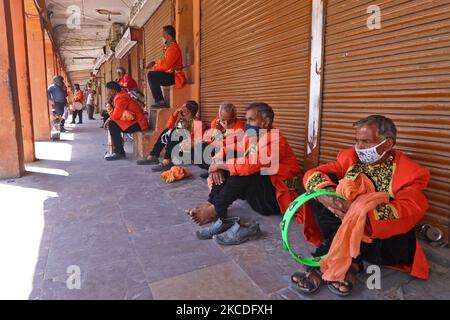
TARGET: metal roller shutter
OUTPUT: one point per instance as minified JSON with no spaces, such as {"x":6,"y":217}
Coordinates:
{"x":153,"y":31}
{"x":257,"y":51}
{"x":402,"y":71}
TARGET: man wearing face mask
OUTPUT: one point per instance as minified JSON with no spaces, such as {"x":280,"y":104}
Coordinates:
{"x":225,"y":129}
{"x":390,"y":225}
{"x":169,"y":70}
{"x":265,"y":177}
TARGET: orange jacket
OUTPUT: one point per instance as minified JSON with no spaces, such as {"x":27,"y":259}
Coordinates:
{"x":128,"y":82}
{"x":217,"y":128}
{"x":172,"y":62}
{"x":407,"y":204}
{"x":281,"y":164}
{"x":79,"y":97}
{"x":123,"y":102}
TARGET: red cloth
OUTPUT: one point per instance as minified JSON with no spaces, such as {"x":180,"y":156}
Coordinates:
{"x":262,"y":158}
{"x":128,"y":82}
{"x":123,"y":102}
{"x":410,"y":204}
{"x":172,"y":62}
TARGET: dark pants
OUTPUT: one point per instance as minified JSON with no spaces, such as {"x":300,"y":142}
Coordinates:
{"x":399,"y":249}
{"x":78,"y":113}
{"x":59,"y":111}
{"x":256,"y":189}
{"x":116,"y":135}
{"x":105,"y":116}
{"x":156,"y":79}
{"x":90,"y":109}
{"x":168,"y":141}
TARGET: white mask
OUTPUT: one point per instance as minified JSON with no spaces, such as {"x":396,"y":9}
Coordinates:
{"x":370,"y":155}
{"x":164,"y":41}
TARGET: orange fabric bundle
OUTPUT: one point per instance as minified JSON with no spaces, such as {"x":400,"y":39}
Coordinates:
{"x":175,"y":173}
{"x":347,"y":241}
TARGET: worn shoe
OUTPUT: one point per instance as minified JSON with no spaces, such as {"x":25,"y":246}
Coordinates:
{"x":147,"y":162}
{"x":63,"y":130}
{"x":218,"y":227}
{"x":114,"y":157}
{"x":237,"y":235}
{"x":161,"y":168}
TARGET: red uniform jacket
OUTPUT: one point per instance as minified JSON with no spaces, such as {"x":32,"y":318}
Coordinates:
{"x":406,"y":208}
{"x":172,"y":62}
{"x":197,"y":128}
{"x":263,"y":156}
{"x":79,"y":97}
{"x":128,"y":82}
{"x":217,"y":130}
{"x":123,"y":102}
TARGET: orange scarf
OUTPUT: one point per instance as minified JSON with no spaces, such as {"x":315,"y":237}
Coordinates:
{"x":347,"y":242}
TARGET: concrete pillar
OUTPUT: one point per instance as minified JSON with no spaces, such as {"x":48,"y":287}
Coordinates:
{"x":38,"y":72}
{"x":23,"y":77}
{"x":11,"y":146}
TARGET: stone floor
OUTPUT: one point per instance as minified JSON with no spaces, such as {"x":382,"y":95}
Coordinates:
{"x":128,"y":234}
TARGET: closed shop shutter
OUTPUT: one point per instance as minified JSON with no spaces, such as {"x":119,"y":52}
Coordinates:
{"x":153,"y":31}
{"x":257,"y":51}
{"x":401,"y":71}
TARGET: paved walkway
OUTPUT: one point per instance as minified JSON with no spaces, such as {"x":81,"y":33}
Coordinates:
{"x":127,"y":233}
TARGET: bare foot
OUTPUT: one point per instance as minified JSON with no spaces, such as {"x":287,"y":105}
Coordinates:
{"x":166,"y":162}
{"x":204,"y":214}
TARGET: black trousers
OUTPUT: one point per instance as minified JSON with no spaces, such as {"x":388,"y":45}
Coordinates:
{"x":90,"y":109}
{"x":78,"y":113}
{"x":168,"y":140}
{"x":399,"y":249}
{"x":105,"y":116}
{"x":156,"y":79}
{"x":116,"y":135}
{"x":256,"y":189}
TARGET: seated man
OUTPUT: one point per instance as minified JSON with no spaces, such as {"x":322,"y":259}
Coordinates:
{"x":390,"y":225}
{"x":169,"y":70}
{"x":265,"y":177}
{"x":223,"y":128}
{"x":127,"y":117}
{"x":125,"y":81}
{"x":182,"y":121}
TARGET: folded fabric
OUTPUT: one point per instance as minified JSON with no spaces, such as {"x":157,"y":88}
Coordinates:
{"x":347,"y":241}
{"x":175,"y":173}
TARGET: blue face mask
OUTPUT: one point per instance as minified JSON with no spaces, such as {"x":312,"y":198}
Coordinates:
{"x":251,"y":131}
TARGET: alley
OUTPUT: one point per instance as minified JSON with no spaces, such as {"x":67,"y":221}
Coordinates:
{"x":126,"y":233}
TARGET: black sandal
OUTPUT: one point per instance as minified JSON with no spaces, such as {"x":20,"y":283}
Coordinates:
{"x":305,"y":278}
{"x":354,"y":271}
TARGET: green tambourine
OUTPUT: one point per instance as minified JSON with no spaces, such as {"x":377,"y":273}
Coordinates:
{"x":287,"y":219}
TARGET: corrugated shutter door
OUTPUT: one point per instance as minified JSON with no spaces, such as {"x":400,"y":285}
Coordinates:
{"x":153,"y":31}
{"x":257,"y":51}
{"x":402,"y":71}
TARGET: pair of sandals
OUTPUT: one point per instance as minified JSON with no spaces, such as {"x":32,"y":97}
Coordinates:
{"x":312,"y":280}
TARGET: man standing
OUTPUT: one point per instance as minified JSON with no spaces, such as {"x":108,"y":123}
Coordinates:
{"x":90,"y":104}
{"x":169,"y":70}
{"x":57,"y":96}
{"x":77,"y":106}
{"x":390,"y":226}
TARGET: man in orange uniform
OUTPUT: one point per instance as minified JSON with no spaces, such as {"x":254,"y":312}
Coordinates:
{"x":125,"y":80}
{"x":390,"y":225}
{"x":77,"y":105}
{"x":169,"y":70}
{"x":127,"y":117}
{"x":225,"y":129}
{"x":265,"y":176}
